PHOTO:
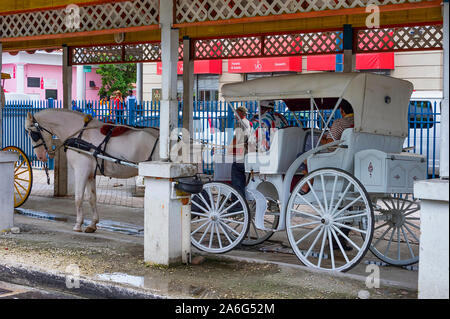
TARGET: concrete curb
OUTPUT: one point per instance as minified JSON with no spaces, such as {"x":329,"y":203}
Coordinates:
{"x":88,"y":288}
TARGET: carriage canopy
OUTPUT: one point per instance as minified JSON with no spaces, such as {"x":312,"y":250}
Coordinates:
{"x":380,"y":103}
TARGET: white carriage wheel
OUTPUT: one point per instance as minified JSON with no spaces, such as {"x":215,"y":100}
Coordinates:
{"x":329,"y":219}
{"x":220,"y":218}
{"x":397,"y":230}
{"x":257,"y":236}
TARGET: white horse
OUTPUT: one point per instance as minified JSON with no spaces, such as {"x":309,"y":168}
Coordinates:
{"x":136,"y":145}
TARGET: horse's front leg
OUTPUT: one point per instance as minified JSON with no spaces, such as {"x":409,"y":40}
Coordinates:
{"x":92,"y":197}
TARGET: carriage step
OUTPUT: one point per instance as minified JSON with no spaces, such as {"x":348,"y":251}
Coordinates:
{"x":383,"y":264}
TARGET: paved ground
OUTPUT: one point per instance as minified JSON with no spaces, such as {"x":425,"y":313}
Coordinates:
{"x":111,"y":191}
{"x":115,"y":257}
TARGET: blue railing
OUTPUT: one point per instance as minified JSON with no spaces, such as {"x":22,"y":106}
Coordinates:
{"x":213,"y":123}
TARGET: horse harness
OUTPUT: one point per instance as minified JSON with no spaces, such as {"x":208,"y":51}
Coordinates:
{"x":79,"y":143}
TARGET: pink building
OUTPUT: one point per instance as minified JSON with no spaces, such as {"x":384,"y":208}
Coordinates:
{"x":39,"y":76}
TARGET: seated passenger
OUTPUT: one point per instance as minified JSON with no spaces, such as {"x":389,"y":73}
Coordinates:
{"x":339,"y":125}
{"x":269,"y":120}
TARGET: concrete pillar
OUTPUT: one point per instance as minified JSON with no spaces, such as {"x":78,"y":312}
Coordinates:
{"x":434,"y":238}
{"x":164,"y":213}
{"x":349,"y":56}
{"x":20,"y":78}
{"x":169,"y":59}
{"x":60,"y":173}
{"x":7,"y":160}
{"x":81,"y":83}
{"x":188,"y":99}
{"x":139,"y":82}
{"x":444,"y":140}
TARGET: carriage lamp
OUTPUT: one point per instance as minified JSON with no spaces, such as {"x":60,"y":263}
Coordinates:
{"x":387,"y":99}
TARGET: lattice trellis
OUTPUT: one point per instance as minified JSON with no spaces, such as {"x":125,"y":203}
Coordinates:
{"x":211,"y":10}
{"x":269,"y":45}
{"x":121,"y":53}
{"x":427,"y":37}
{"x":91,"y":18}
{"x":145,"y":52}
{"x":303,"y":43}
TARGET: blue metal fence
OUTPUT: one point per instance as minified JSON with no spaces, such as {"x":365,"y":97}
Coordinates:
{"x":213,"y":123}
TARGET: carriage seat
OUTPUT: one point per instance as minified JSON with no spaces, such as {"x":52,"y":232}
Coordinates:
{"x":286,"y":143}
{"x":354,"y":142}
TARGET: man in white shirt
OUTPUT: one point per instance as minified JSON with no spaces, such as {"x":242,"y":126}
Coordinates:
{"x":239,"y":147}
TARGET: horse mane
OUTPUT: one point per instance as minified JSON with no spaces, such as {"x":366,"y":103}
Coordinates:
{"x":151,"y":130}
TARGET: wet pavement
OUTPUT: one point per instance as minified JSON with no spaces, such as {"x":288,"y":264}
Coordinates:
{"x":111,"y":257}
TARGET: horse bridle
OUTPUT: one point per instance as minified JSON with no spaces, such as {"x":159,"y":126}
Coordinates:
{"x":37,"y":136}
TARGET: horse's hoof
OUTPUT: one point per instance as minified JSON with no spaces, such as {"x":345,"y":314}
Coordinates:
{"x":90,"y":229}
{"x":78,"y":230}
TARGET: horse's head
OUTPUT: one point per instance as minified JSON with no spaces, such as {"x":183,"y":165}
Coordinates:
{"x":41,"y":138}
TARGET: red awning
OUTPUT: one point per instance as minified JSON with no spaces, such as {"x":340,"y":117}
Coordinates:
{"x":375,"y":61}
{"x":325,"y":62}
{"x":364,"y":61}
{"x":254,"y":65}
{"x":200,"y":67}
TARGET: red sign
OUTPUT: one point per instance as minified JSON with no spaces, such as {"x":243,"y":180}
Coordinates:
{"x":375,"y":61}
{"x":325,"y":62}
{"x":254,"y":65}
{"x":200,"y":67}
{"x":364,"y":61}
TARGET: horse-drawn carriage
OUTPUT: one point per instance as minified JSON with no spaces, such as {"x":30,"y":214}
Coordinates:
{"x":359,"y":188}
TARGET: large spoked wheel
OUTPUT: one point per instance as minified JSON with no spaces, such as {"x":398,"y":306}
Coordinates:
{"x":331,"y":226}
{"x":257,"y":236}
{"x":23,"y":176}
{"x":220,"y":218}
{"x":397,"y":230}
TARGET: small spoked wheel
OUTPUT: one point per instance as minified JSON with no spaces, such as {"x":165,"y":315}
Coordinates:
{"x":257,"y":236}
{"x":397,"y":229}
{"x":329,"y":220}
{"x":220,"y":218}
{"x":23,"y":176}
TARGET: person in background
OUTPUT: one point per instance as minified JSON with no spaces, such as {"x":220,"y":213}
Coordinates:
{"x":90,"y":110}
{"x":131,"y":103}
{"x":119,"y":107}
{"x":239,"y":147}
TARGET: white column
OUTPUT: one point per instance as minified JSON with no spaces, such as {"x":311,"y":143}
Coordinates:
{"x":434,"y":238}
{"x":20,"y":78}
{"x":139,"y":82}
{"x":169,"y":59}
{"x":165,"y":214}
{"x":81,"y":83}
{"x":7,"y":160}
{"x":444,"y":140}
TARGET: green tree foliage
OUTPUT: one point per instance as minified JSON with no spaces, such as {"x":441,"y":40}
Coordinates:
{"x":117,"y":77}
